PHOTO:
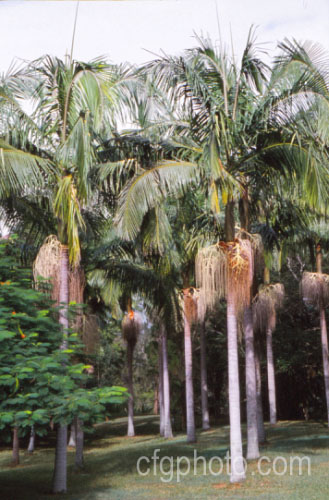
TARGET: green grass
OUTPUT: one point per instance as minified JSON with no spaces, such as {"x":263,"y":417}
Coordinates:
{"x":111,"y":473}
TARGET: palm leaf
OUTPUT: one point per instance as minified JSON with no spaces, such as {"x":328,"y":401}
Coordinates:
{"x":20,"y":170}
{"x":67,"y":209}
{"x":148,"y":189}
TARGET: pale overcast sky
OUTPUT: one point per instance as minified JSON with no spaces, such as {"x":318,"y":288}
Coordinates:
{"x":122,"y":30}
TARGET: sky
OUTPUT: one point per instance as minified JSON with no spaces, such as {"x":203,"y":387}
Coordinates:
{"x":135,"y":30}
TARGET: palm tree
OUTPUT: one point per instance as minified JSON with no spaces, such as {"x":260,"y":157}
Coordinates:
{"x":203,"y":374}
{"x":248,"y":328}
{"x":265,"y":305}
{"x":167,"y":429}
{"x":232,"y":122}
{"x":212,"y":151}
{"x":161,"y":392}
{"x":315,"y":289}
{"x":225,"y":270}
{"x":131,"y":326}
{"x":153,"y":278}
{"x":190,"y":316}
{"x":260,"y":416}
{"x":70,"y":105}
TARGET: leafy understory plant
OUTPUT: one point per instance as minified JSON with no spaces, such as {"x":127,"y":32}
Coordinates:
{"x":40,"y":384}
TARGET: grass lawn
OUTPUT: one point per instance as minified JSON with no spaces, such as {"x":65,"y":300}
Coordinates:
{"x":111,"y":471}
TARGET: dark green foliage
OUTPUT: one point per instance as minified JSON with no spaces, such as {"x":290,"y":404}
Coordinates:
{"x":297,"y":350}
{"x":40,"y":382}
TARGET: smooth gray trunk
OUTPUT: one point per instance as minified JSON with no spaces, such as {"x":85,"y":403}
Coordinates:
{"x":161,"y":398}
{"x":271,"y":376}
{"x":167,"y":430}
{"x":204,"y":384}
{"x":15,"y":455}
{"x":72,"y":440}
{"x":156,"y":399}
{"x":60,"y":468}
{"x":237,"y":464}
{"x":131,"y":429}
{"x":324,"y":333}
{"x":260,"y":417}
{"x":31,"y":445}
{"x":324,"y":342}
{"x":190,"y":422}
{"x":79,"y":439}
{"x":251,"y":390}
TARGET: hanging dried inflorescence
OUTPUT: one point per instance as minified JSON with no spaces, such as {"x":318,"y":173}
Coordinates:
{"x":240,"y":272}
{"x":211,"y":276}
{"x":221,"y":268}
{"x":47,"y":265}
{"x":257,"y":249}
{"x":315,"y":288}
{"x":268,"y":300}
{"x":131,"y":327}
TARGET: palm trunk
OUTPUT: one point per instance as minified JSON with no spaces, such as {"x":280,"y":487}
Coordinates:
{"x":190,"y":423}
{"x":260,"y":417}
{"x":131,"y":430}
{"x":204,"y":384}
{"x":156,"y":399}
{"x":229,"y":221}
{"x":324,"y":342}
{"x":15,"y":455}
{"x":167,"y":431}
{"x":312,"y":255}
{"x":324,"y":334}
{"x":251,"y":390}
{"x":60,"y":469}
{"x":31,"y":445}
{"x":237,"y":465}
{"x":64,"y":294}
{"x":72,"y":440}
{"x":161,"y":398}
{"x":271,"y":375}
{"x":79,"y":439}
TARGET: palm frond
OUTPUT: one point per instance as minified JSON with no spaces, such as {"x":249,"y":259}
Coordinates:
{"x":20,"y":170}
{"x":148,"y":189}
{"x":67,"y":209}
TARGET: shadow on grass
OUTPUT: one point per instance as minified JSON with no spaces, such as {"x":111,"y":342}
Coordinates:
{"x":111,"y":460}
